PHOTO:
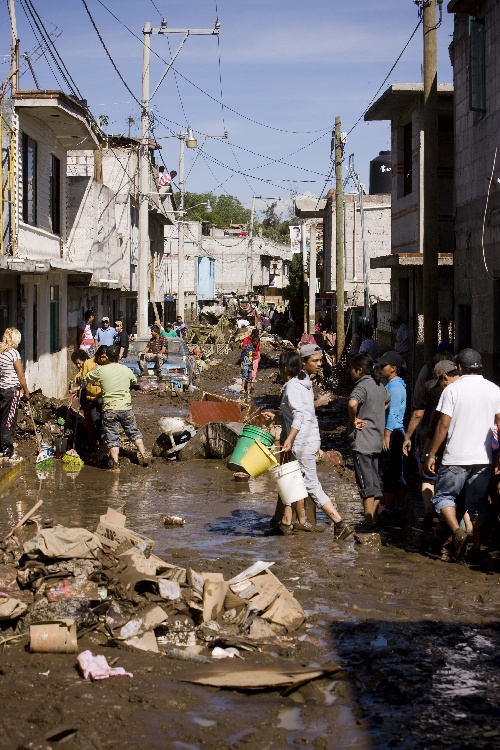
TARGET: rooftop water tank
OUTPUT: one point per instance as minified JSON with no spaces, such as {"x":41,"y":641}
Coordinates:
{"x":381,"y":174}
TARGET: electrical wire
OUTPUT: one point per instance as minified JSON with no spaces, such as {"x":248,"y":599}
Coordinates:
{"x":41,"y":45}
{"x":234,"y":111}
{"x":61,"y":67}
{"x":122,"y":79}
{"x":491,"y":276}
{"x":387,"y":76}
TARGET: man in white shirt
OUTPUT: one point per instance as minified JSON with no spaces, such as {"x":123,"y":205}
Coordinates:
{"x":468,"y":407}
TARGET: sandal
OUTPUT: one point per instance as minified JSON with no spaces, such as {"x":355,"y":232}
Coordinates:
{"x":286,"y":529}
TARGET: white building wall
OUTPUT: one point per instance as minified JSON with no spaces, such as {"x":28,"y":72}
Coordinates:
{"x":39,"y":242}
{"x":44,"y":369}
{"x":377,"y":230}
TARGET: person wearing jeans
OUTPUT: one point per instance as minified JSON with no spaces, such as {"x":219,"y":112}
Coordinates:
{"x":468,"y":409}
{"x":115,"y":381}
{"x":11,"y":381}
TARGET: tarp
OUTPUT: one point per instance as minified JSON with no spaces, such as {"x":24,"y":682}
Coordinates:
{"x":62,"y":543}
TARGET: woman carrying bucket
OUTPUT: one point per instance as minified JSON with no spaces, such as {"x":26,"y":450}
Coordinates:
{"x":300,"y":433}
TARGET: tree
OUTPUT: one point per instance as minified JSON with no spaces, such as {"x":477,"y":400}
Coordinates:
{"x":226,"y":209}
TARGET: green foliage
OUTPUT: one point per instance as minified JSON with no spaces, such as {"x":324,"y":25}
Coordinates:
{"x":226,"y":209}
{"x":274,"y":226}
{"x":294,"y":292}
{"x":103,"y":121}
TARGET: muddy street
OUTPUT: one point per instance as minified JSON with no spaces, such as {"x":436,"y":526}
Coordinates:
{"x":417,"y":639}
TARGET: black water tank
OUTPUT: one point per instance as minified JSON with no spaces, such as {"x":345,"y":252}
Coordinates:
{"x":381,"y":174}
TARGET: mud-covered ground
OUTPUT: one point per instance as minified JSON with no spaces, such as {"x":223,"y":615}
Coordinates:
{"x":418,"y":639}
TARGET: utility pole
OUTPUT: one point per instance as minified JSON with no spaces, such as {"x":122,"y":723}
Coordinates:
{"x":430,"y":238}
{"x":312,"y":280}
{"x":144,"y":244}
{"x":339,"y":237}
{"x":180,"y":256}
{"x":250,"y":242}
{"x":304,"y":279}
{"x":14,"y":49}
{"x":144,"y":166}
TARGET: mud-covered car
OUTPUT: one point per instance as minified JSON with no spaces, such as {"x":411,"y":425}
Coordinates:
{"x":178,"y":367}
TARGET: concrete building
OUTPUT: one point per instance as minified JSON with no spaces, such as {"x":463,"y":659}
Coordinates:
{"x":225,"y":264}
{"x":402,"y":105}
{"x":475,"y":58}
{"x":38,"y":130}
{"x":377,"y":240}
{"x":104,"y":204}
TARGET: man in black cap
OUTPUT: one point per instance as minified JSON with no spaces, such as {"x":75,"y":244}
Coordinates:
{"x":468,"y":409}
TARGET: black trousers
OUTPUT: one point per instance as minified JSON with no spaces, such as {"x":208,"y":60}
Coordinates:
{"x":9,"y":403}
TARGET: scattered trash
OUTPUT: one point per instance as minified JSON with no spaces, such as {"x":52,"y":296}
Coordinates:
{"x":62,"y":542}
{"x":71,"y":458}
{"x":54,"y":637}
{"x":174,"y":521}
{"x":258,"y":678}
{"x":225,"y":653}
{"x":97,"y":668}
{"x":112,"y":532}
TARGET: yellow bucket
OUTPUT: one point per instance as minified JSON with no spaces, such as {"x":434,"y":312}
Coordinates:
{"x":258,"y":459}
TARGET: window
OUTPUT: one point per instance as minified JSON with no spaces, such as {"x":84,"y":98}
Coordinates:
{"x":54,"y":319}
{"x":29,"y":157}
{"x":55,"y":195}
{"x":407,"y":159}
{"x":477,"y":67}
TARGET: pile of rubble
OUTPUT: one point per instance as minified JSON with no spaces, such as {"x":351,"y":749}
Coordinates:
{"x":111,"y":582}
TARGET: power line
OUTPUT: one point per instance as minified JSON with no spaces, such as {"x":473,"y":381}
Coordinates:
{"x":234,"y":111}
{"x":63,"y":70}
{"x":122,"y":79}
{"x":387,"y":76}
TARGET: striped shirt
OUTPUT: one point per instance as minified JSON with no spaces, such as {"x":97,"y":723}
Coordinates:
{"x":8,"y":375}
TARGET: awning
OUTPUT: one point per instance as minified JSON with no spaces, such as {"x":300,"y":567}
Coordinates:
{"x":398,"y":260}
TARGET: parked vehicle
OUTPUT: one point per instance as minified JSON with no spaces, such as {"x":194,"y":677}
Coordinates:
{"x":178,"y":367}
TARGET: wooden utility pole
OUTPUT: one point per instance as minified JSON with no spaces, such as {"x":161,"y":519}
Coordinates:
{"x":304,"y":277}
{"x":339,"y":238}
{"x":430,"y":237}
{"x":312,"y":280}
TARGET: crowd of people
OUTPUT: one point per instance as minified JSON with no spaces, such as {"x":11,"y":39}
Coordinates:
{"x":452,"y":431}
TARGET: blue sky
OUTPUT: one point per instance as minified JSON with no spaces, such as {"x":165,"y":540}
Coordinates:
{"x":289,"y":66}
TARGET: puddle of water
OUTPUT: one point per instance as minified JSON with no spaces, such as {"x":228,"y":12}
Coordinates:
{"x":202,"y":722}
{"x":290,"y":719}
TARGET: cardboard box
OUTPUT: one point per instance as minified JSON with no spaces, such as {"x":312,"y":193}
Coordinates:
{"x":112,"y":532}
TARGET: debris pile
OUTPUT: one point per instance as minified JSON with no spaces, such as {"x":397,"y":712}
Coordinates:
{"x":110,"y":581}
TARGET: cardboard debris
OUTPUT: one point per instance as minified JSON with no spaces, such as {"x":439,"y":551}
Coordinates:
{"x":112,"y":532}
{"x":235,"y":677}
{"x":145,"y":642}
{"x":268,"y":589}
{"x":214,"y":593}
{"x":148,"y":619}
{"x":169,"y":589}
{"x":285,"y":611}
{"x":11,"y":609}
{"x":253,"y":570}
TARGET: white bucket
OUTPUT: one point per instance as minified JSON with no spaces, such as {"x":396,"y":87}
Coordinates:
{"x":290,"y":482}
